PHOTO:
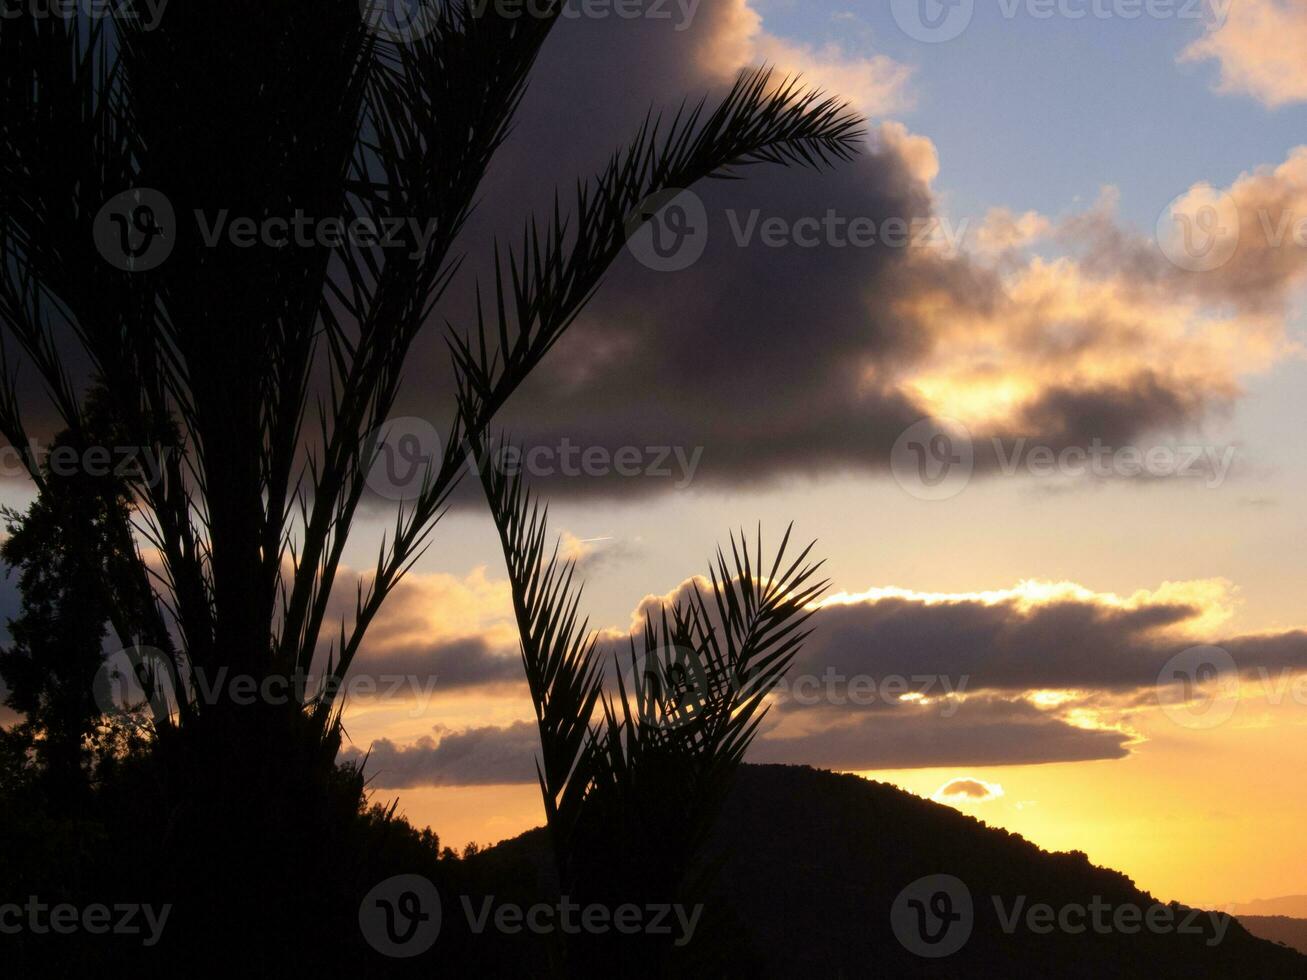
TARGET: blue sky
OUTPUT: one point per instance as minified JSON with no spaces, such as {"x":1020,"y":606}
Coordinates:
{"x":1040,"y":113}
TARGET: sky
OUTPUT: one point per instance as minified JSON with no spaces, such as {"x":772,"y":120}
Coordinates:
{"x":1050,"y":448}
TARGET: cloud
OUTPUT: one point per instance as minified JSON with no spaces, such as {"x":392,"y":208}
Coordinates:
{"x":1034,"y":637}
{"x":984,"y":731}
{"x":1004,"y":231}
{"x":875,"y":85}
{"x":782,"y":362}
{"x":487,"y":756}
{"x":1114,"y":335}
{"x":892,"y":678}
{"x":967,"y":791}
{"x":470,"y":662}
{"x":1259,"y":49}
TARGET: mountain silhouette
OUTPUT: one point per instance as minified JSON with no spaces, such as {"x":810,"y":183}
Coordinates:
{"x":813,"y":875}
{"x":1288,"y":906}
{"x":1278,"y":929}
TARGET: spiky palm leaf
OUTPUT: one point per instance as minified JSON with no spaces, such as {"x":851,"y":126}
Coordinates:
{"x":631,"y":795}
{"x":269,"y":110}
{"x":559,"y":656}
{"x":736,"y":650}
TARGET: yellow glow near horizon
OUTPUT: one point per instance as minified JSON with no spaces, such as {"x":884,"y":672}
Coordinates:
{"x":1206,"y":818}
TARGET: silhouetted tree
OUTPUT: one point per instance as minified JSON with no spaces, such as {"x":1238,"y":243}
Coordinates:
{"x":259,"y":373}
{"x":634,"y":776}
{"x":66,"y":546}
{"x":271,"y":111}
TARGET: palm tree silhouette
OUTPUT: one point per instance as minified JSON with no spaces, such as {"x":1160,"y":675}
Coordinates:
{"x":633,"y":776}
{"x":261,"y":373}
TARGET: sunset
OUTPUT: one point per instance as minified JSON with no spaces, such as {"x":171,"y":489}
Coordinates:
{"x":827,"y":471}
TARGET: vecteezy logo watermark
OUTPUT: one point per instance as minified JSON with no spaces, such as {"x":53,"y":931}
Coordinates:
{"x":403,"y":454}
{"x":141,"y":463}
{"x":136,"y":230}
{"x":1212,"y":464}
{"x":1199,"y":234}
{"x":401,"y":916}
{"x":135,"y":681}
{"x":933,"y":21}
{"x":406,"y":21}
{"x":668,"y":231}
{"x":1105,"y":919}
{"x":1211,"y":13}
{"x":669,"y":686}
{"x":304,"y":231}
{"x":862,"y":690}
{"x":121,"y":919}
{"x":593,"y":10}
{"x":1199,"y":687}
{"x":401,"y":21}
{"x":840,"y":231}
{"x":1202,"y":230}
{"x":570,"y":460}
{"x":140,"y":681}
{"x":406,"y":458}
{"x":933,"y":459}
{"x":144,"y":15}
{"x":1202,"y":687}
{"x":933,"y":916}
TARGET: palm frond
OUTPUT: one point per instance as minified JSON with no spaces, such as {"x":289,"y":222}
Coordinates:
{"x":559,"y":656}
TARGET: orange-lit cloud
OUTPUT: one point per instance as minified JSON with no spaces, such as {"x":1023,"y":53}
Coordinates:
{"x":892,"y":678}
{"x":875,"y":84}
{"x":1109,"y":316}
{"x":1260,"y":50}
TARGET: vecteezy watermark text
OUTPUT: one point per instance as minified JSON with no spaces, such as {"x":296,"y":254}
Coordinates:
{"x":669,"y":231}
{"x":401,"y":917}
{"x":138,"y":230}
{"x":936,"y":21}
{"x":836,"y":688}
{"x":681,"y":12}
{"x":64,"y":919}
{"x":935,"y":459}
{"x":1202,"y":687}
{"x":935,"y":916}
{"x":124,"y":462}
{"x":407,"y":21}
{"x":141,"y":679}
{"x":406,"y":455}
{"x":145,"y":15}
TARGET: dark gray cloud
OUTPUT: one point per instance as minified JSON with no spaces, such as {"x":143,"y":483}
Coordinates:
{"x":974,"y":662}
{"x":972,"y":789}
{"x":477,"y":757}
{"x":756,"y":354}
{"x":801,"y":361}
{"x":1065,"y":644}
{"x":470,"y":662}
{"x":982,"y":732}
